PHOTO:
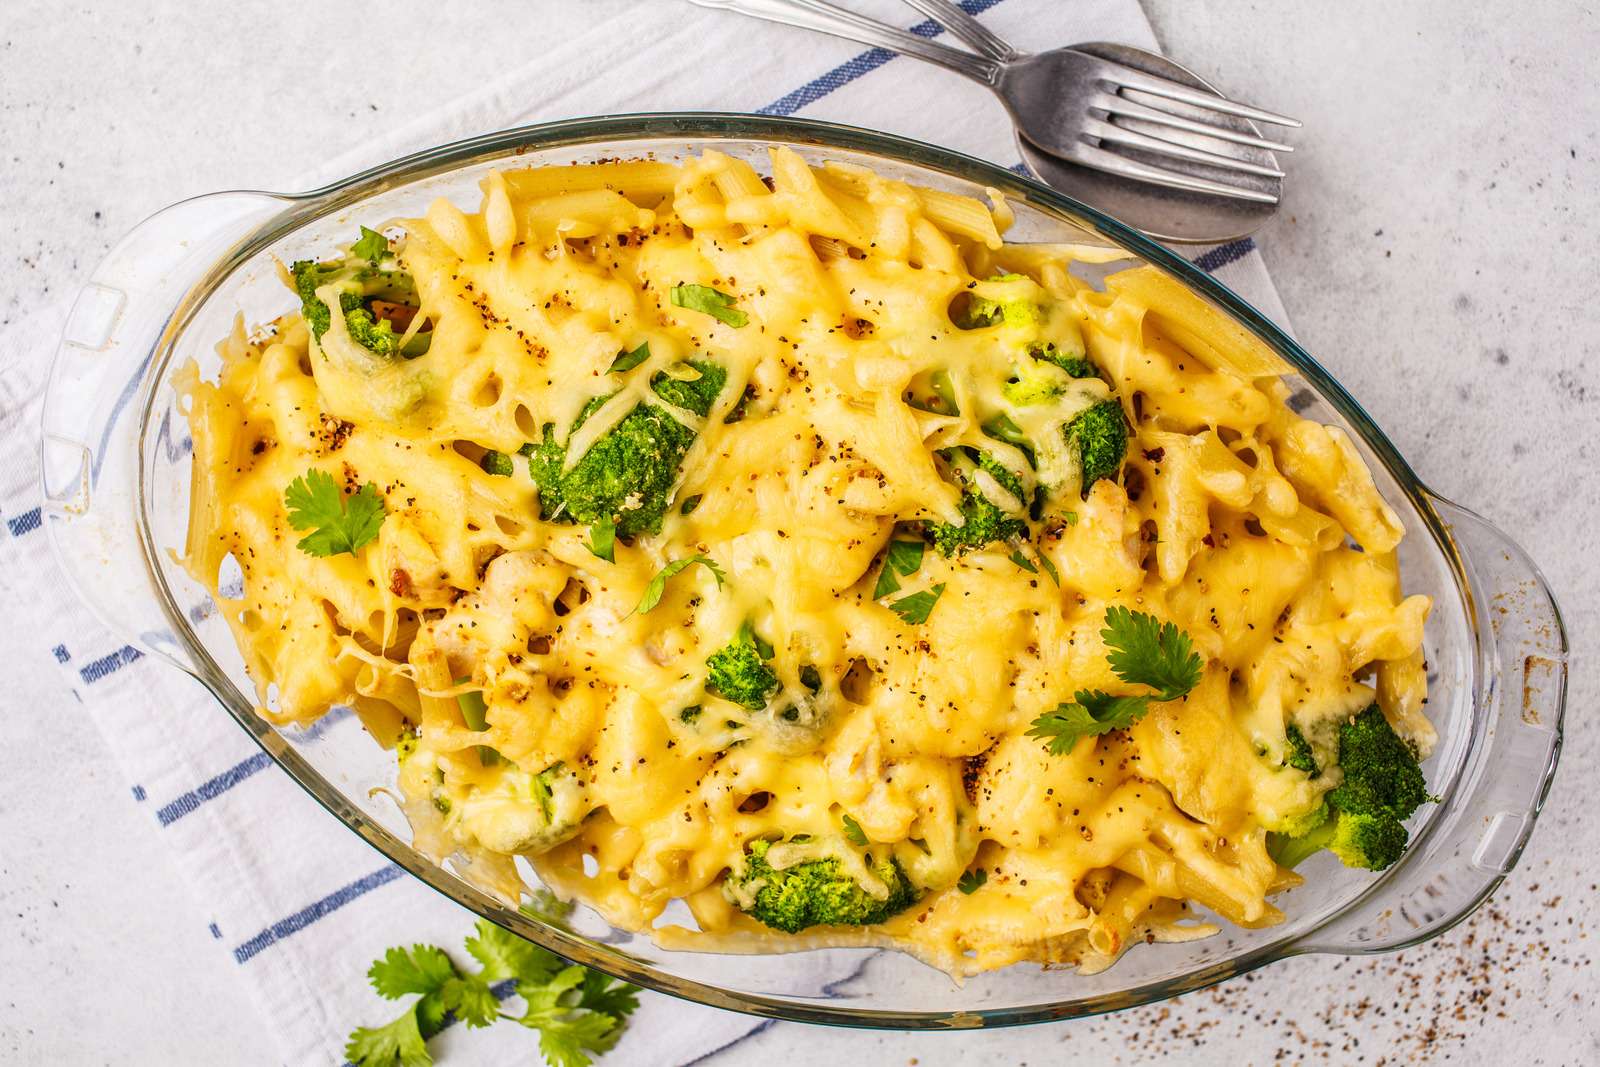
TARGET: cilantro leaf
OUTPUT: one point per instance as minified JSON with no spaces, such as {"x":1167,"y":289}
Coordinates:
{"x":577,"y":1012}
{"x":505,"y":955}
{"x":658,"y":585}
{"x":1089,"y":714}
{"x":1022,"y":561}
{"x":472,"y":1001}
{"x":419,"y":969}
{"x":972,"y":881}
{"x":1050,"y":569}
{"x":337,"y":523}
{"x":607,"y":995}
{"x":1146,"y":651}
{"x":603,"y":540}
{"x":854,"y":833}
{"x":399,"y":1044}
{"x":626,"y":361}
{"x":713,"y":302}
{"x":903,"y":559}
{"x":916,"y":607}
{"x":566,"y":1033}
{"x":566,"y":1039}
{"x":372,"y":247}
{"x":546,"y":907}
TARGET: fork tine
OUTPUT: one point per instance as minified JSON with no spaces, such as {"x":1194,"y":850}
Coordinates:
{"x":1109,"y":133}
{"x":1098,"y":158}
{"x":1128,"y":78}
{"x":1121,"y":105}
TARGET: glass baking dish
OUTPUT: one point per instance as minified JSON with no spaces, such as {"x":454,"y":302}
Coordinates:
{"x":115,"y":471}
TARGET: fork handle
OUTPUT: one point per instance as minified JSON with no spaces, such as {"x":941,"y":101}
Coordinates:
{"x":826,"y":18}
{"x":967,"y":29}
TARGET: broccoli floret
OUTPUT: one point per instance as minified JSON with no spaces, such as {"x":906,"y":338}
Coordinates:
{"x":1034,"y":382}
{"x":1300,"y":756}
{"x":520,"y":812}
{"x":978,"y":312}
{"x":738,"y":671}
{"x":497,"y":463}
{"x":814,"y":893}
{"x":1383,"y":786}
{"x":1099,"y":437}
{"x":627,"y":476}
{"x":982,"y":520}
{"x":361,"y":286}
{"x":1038,"y":379}
{"x":1075,"y":366}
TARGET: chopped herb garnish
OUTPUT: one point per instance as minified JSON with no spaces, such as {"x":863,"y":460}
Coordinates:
{"x":916,"y":607}
{"x":603,"y":540}
{"x":626,"y":361}
{"x":658,"y":585}
{"x":903,"y":559}
{"x":337,"y":523}
{"x":972,"y":881}
{"x":713,"y":302}
{"x":372,"y":247}
{"x":1142,"y":650}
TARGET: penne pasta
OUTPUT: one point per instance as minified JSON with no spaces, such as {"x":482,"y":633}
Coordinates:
{"x":775,"y":539}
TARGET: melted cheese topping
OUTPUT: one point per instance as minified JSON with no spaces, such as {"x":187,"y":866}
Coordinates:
{"x":1233,"y":517}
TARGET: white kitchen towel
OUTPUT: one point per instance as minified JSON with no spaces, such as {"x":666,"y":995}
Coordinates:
{"x":301,"y":904}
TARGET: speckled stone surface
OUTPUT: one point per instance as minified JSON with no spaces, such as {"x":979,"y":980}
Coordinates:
{"x":1438,"y":252}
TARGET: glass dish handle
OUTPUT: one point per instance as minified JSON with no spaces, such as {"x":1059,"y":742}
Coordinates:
{"x":1482,"y":826}
{"x":89,"y":447}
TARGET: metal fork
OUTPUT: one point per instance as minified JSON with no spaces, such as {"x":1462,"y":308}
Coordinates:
{"x":1074,"y":105}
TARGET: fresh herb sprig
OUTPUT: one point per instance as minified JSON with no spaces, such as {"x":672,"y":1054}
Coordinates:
{"x":577,"y":1012}
{"x":1143,"y":650}
{"x":372,"y":246}
{"x":916,"y":608}
{"x":901,"y":561}
{"x":658,"y":585}
{"x":337,"y":523}
{"x":713,"y":302}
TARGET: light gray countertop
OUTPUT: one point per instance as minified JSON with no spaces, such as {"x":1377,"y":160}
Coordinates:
{"x":1437,"y":251}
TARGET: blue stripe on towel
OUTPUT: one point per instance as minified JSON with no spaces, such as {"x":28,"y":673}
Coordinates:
{"x":306,"y":916}
{"x":214,"y":787}
{"x":105,"y":665}
{"x":27,"y":522}
{"x":1220,"y":256}
{"x":855,"y":67}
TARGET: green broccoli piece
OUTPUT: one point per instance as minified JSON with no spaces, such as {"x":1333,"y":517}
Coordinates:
{"x":1099,"y":437}
{"x":1300,"y":756}
{"x":1034,"y":382}
{"x":1038,"y":379}
{"x":983,"y":521}
{"x":1075,"y":366}
{"x":361,"y":283}
{"x":978,"y":312}
{"x":738,"y":671}
{"x":1383,"y":786}
{"x":497,"y":463}
{"x":814,"y":893}
{"x":516,"y":811}
{"x":627,"y":476}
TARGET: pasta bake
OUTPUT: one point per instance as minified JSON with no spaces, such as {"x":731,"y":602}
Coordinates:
{"x":791,"y":551}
